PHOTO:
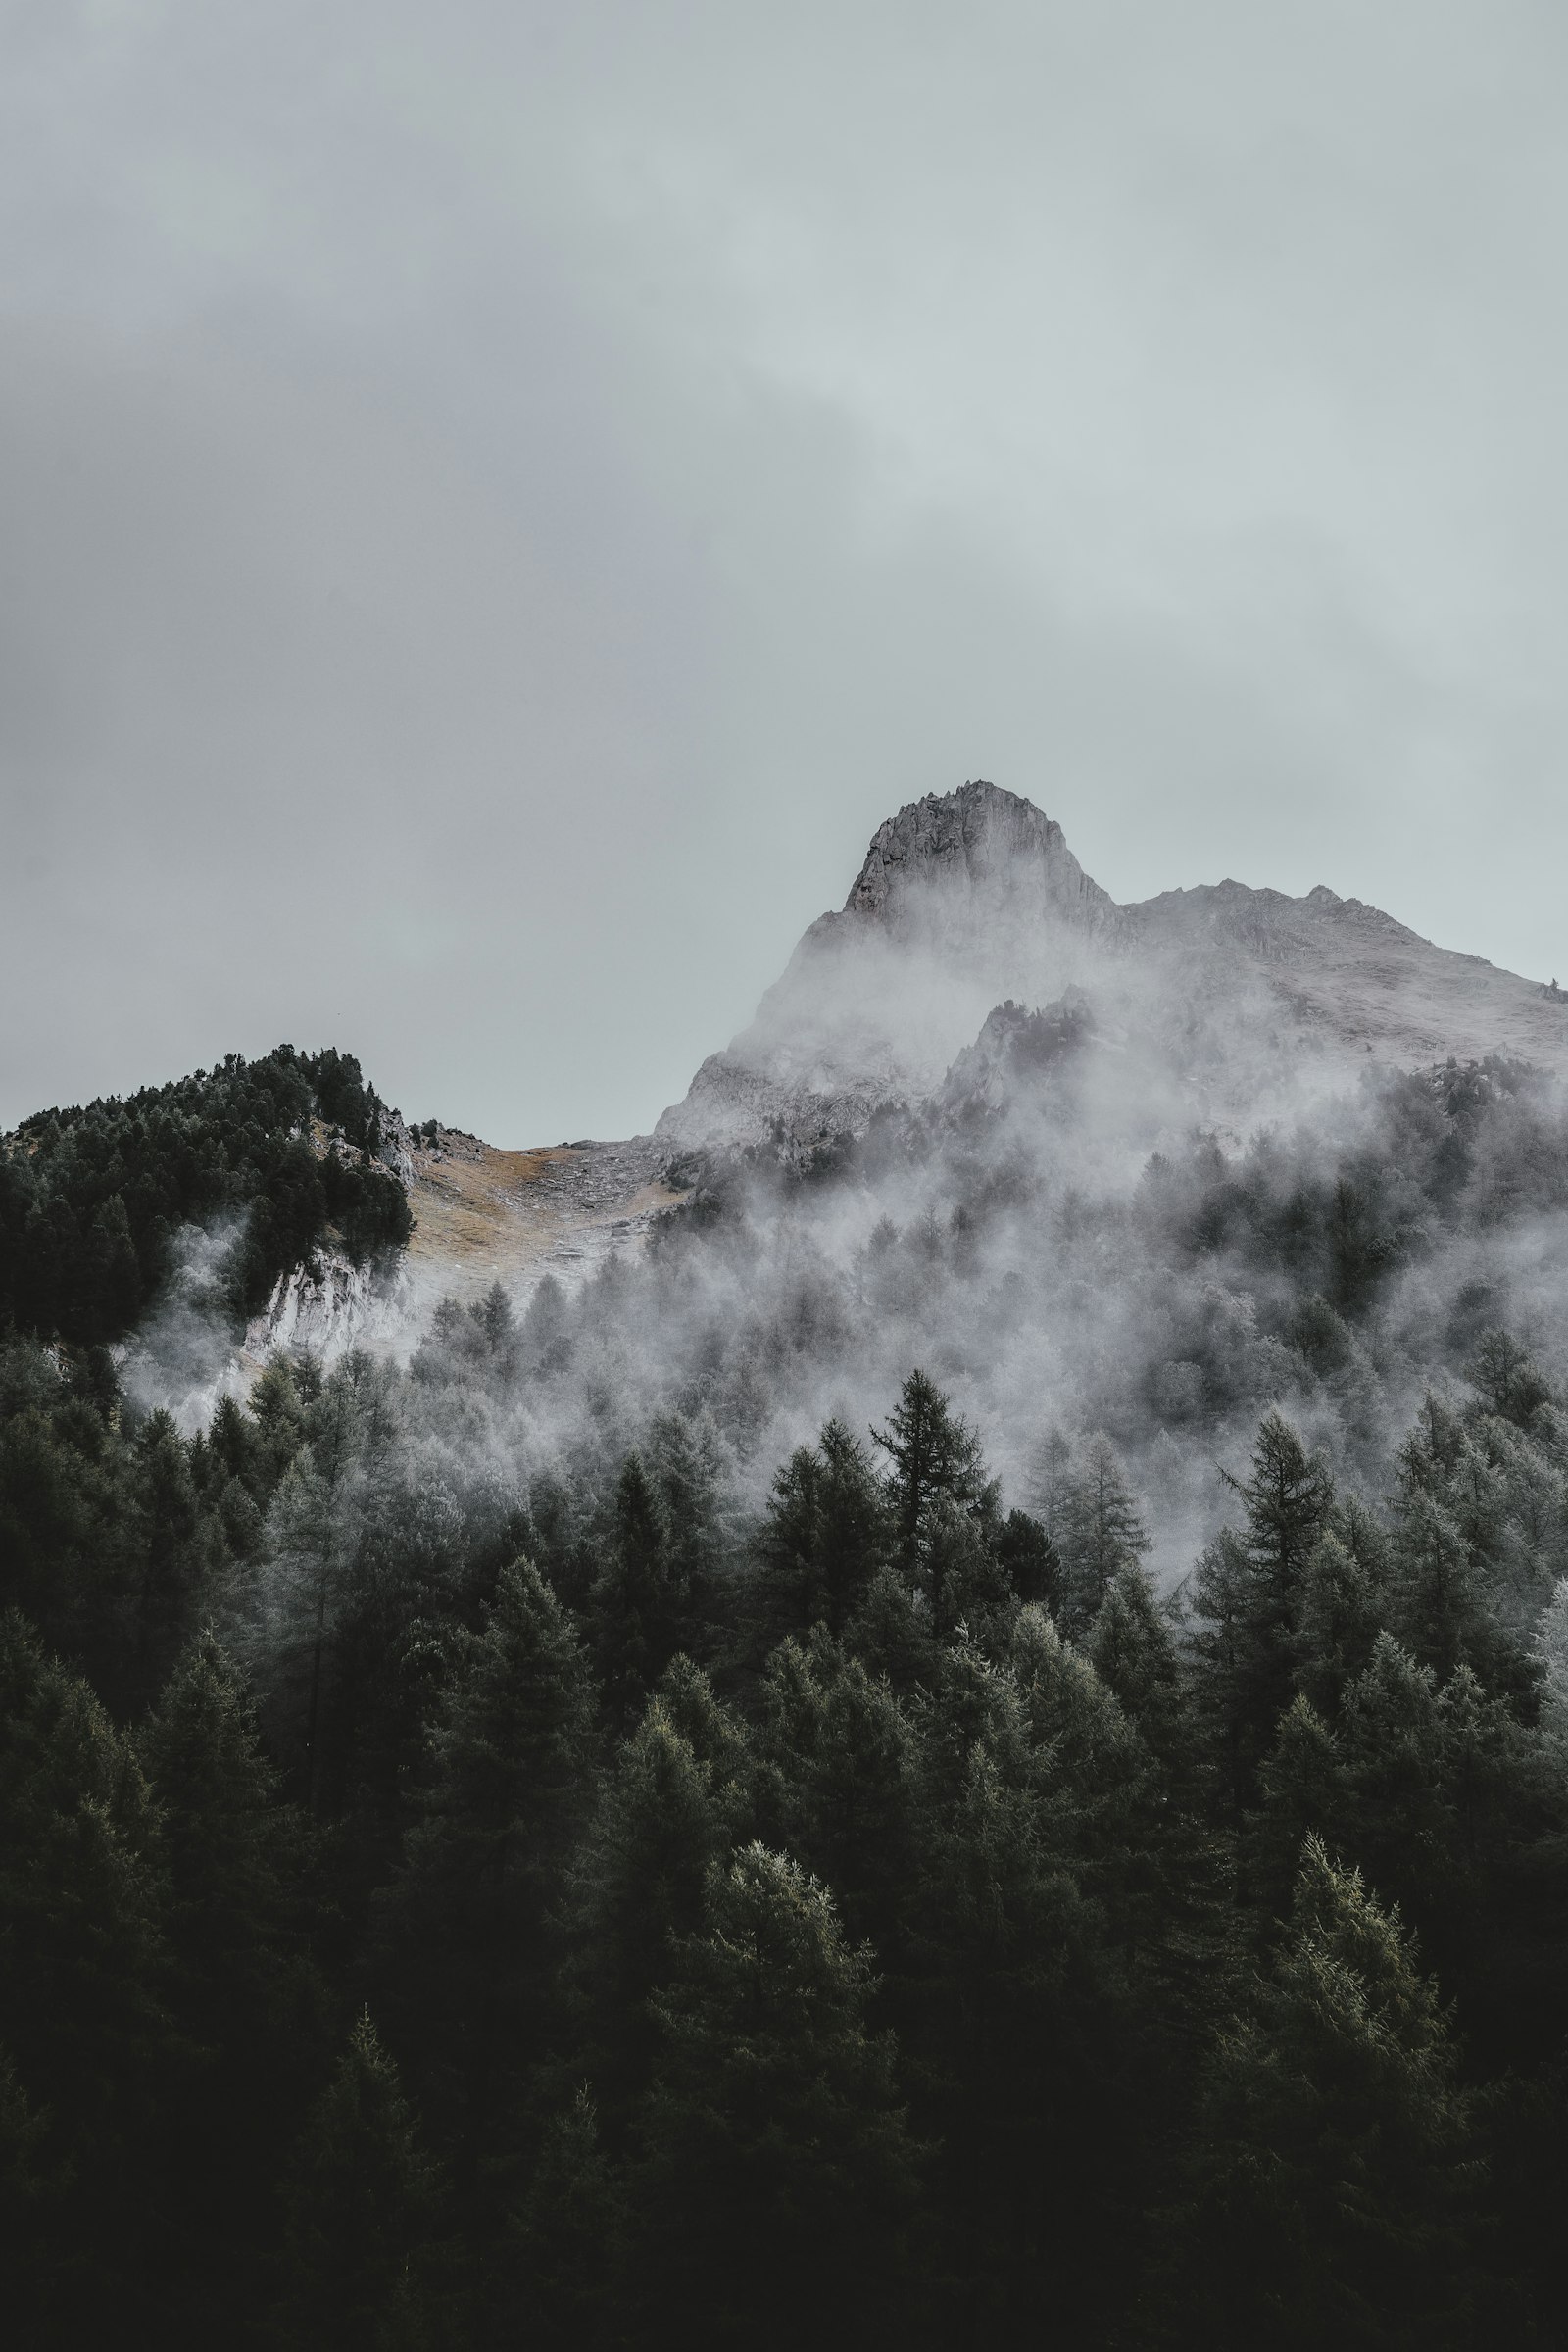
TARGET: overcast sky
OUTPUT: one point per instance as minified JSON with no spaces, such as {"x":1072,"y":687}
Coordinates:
{"x":498,"y":500}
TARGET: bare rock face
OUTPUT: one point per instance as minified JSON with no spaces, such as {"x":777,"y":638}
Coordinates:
{"x":1226,"y":999}
{"x":972,"y":860}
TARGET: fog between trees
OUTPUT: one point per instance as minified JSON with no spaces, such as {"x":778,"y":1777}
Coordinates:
{"x":974,"y":1745}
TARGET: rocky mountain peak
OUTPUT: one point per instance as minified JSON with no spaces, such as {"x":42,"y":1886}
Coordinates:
{"x":979,"y":851}
{"x":1227,"y":993}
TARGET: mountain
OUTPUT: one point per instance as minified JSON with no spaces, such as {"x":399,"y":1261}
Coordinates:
{"x":972,"y":898}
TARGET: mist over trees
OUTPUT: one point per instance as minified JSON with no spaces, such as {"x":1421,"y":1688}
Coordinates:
{"x":974,"y":1750}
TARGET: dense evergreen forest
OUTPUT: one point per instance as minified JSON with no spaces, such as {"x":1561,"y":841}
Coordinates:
{"x":91,"y":1200}
{"x":503,"y":1852}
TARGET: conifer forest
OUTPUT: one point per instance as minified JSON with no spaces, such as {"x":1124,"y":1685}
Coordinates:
{"x":754,"y":1803}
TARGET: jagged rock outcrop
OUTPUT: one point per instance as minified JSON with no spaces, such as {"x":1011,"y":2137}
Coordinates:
{"x":1016,"y":1052}
{"x":1224,"y":993}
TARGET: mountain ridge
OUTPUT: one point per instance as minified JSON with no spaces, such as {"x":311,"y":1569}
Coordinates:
{"x":968,"y":899}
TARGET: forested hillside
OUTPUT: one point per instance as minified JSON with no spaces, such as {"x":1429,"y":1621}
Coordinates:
{"x":502,"y":1851}
{"x":92,"y":1199}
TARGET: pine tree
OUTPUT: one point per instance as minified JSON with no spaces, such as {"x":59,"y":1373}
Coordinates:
{"x":112,"y":1276}
{"x":789,"y":1543}
{"x":672,"y":1805}
{"x":1220,"y":1650}
{"x":1442,"y":1608}
{"x":1343,"y":1609}
{"x":1456,"y":1806}
{"x":1334,"y":2180}
{"x":246,"y":1992}
{"x":231,"y":1851}
{"x":1030,"y":1785}
{"x":1251,"y":1595}
{"x":1101,"y":1530}
{"x":1049,"y":1483}
{"x":841,"y":1755}
{"x":642,"y":1600}
{"x":853,"y":1537}
{"x":823,"y":1537}
{"x":1132,"y":1651}
{"x":86,"y":1978}
{"x":33,"y":2231}
{"x":932,"y":1454}
{"x":559,"y":2274}
{"x":300,"y":1604}
{"x":174,"y":1566}
{"x":681,"y":1458}
{"x":1029,"y":1560}
{"x":777,"y":2175}
{"x":1304,"y":1792}
{"x":362,"y":2217}
{"x":467,"y":1926}
{"x":1512,"y":1386}
{"x":1551,"y":1652}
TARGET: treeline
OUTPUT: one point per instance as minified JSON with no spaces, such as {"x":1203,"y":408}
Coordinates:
{"x":431,"y":1914}
{"x":92,"y":1199}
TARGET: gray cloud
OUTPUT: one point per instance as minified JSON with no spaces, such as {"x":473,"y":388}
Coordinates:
{"x":496,"y":504}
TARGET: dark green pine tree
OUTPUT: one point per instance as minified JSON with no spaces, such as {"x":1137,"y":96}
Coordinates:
{"x":824,"y":1536}
{"x":175,"y":1561}
{"x":789,"y":1547}
{"x":676,"y":1800}
{"x":1333,"y":2183}
{"x":111,"y":1275}
{"x":1029,"y":1560}
{"x":1018,"y":2005}
{"x":777,"y":2175}
{"x":40,"y":2256}
{"x":1218,"y":1649}
{"x":466,"y":1930}
{"x":86,"y":1983}
{"x":246,"y":1990}
{"x":1512,"y":1386}
{"x":1102,"y":1532}
{"x":642,"y":1599}
{"x":842,"y":1789}
{"x":1440,"y":1602}
{"x":233,"y":1856}
{"x":853,"y":1537}
{"x":1344,"y":1605}
{"x":363,"y":2219}
{"x":558,"y":2271}
{"x":1249,"y":1596}
{"x":1303,"y":1791}
{"x":932,"y":1454}
{"x":1132,"y":1649}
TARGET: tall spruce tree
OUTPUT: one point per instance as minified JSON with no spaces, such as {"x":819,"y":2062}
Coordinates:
{"x":363,"y":2210}
{"x":777,"y":2175}
{"x":1334,"y":2177}
{"x":1102,"y":1532}
{"x":840,"y":1761}
{"x":932,"y":1455}
{"x":86,"y":1985}
{"x":1249,"y":1594}
{"x":675,"y":1801}
{"x":468,"y":1945}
